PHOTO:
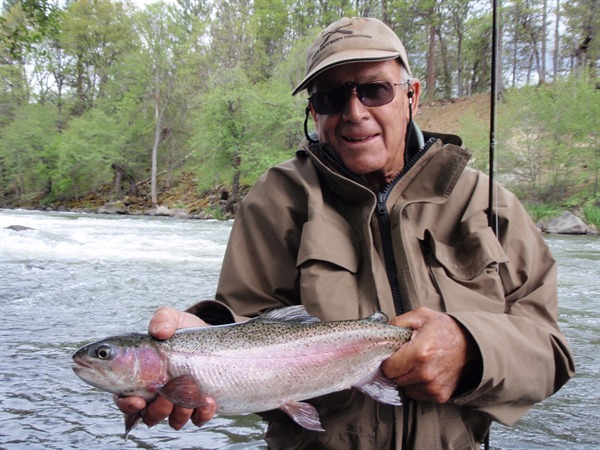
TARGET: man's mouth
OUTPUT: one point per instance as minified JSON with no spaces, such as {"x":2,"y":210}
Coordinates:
{"x":359,"y":138}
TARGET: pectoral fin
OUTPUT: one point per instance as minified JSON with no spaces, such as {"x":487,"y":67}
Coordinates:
{"x":380,"y":388}
{"x":304,"y":414}
{"x":184,"y":391}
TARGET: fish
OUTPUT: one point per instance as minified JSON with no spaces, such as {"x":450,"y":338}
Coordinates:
{"x":277,"y":360}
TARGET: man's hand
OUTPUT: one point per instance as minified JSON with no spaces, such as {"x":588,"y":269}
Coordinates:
{"x":429,"y":367}
{"x":162,"y":325}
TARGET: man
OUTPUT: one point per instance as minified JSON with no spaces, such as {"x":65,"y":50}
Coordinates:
{"x":372,"y":214}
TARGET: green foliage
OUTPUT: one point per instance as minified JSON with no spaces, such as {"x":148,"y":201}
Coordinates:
{"x":215,"y":212}
{"x":242,"y":129}
{"x":85,"y":153}
{"x":591,"y":211}
{"x":551,"y":141}
{"x":207,"y":85}
{"x":26,"y":151}
{"x":539,"y":212}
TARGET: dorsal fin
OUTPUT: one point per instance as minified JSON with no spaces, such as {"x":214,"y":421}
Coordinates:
{"x":291,"y":314}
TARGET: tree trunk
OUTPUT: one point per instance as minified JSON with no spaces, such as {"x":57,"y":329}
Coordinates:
{"x":543,"y":37}
{"x":431,"y":69}
{"x":235,"y":188}
{"x":121,"y":173}
{"x":556,"y":43}
{"x":157,"y":124}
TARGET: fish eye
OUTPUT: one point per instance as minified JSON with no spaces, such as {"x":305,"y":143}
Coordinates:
{"x":104,"y":351}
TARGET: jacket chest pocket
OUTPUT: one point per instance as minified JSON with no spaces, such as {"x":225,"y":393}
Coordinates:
{"x":328,"y":263}
{"x":466,"y":274}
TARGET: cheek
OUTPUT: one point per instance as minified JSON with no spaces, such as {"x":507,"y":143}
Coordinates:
{"x":325,"y":126}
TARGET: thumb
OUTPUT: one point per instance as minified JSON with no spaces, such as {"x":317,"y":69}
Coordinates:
{"x":166,"y":320}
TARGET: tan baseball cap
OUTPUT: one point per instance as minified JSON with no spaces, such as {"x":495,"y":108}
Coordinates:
{"x":352,"y":40}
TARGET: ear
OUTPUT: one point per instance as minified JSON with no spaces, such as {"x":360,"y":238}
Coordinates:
{"x":414,"y":93}
{"x":312,"y":113}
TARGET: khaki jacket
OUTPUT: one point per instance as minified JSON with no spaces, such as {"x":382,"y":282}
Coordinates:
{"x":308,"y":234}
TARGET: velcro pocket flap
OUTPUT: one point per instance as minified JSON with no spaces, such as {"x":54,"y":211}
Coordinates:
{"x":477,"y":251}
{"x":325,"y":242}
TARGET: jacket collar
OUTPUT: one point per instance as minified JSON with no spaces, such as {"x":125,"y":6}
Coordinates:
{"x":439,"y":164}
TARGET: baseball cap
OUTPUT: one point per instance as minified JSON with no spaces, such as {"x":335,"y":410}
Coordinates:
{"x":352,"y":40}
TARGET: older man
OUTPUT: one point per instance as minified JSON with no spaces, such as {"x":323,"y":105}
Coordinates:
{"x":373,"y":214}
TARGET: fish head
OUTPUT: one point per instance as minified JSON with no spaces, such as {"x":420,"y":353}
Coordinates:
{"x":123,"y":365}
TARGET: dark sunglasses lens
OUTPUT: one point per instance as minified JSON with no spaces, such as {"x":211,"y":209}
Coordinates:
{"x":330,"y":102}
{"x":375,"y":94}
{"x":335,"y":100}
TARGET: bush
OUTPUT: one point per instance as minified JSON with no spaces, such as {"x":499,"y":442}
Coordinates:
{"x":591,"y":211}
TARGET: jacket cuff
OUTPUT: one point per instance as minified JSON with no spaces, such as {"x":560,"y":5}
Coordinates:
{"x":472,"y":374}
{"x":212,"y":312}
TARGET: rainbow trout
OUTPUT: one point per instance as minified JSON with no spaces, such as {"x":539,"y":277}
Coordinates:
{"x":273,"y":361}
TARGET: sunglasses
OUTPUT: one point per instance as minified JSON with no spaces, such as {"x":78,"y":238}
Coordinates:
{"x":333,"y":101}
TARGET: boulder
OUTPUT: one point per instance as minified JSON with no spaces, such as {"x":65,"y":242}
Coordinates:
{"x":117,"y":207}
{"x":19,"y":228}
{"x":566,"y":223}
{"x":160,"y":211}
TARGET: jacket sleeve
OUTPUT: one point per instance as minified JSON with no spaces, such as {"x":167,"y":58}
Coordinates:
{"x":525,"y":356}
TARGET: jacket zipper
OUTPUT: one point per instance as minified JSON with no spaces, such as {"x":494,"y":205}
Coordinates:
{"x":385,"y":229}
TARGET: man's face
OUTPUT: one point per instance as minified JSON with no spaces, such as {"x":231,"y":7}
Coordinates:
{"x":368,"y":140}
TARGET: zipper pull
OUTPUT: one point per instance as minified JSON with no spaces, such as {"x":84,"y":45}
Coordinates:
{"x":381,"y":208}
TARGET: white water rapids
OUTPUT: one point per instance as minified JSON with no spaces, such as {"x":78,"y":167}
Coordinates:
{"x":75,"y":278}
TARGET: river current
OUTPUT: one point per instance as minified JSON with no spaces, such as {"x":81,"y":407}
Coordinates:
{"x":74,"y":278}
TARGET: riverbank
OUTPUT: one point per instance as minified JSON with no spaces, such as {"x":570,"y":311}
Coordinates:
{"x":180,"y":196}
{"x":184,"y":201}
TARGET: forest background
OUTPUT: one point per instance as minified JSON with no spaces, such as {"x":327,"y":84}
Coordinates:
{"x":106,"y":100}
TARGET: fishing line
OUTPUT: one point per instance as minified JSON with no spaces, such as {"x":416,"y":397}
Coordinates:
{"x":492,"y":190}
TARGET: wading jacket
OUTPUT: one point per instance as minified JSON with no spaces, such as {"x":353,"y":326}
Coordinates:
{"x":310,"y":233}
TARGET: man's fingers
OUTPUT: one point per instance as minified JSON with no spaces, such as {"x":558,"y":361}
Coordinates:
{"x":204,"y":413}
{"x":157,"y":411}
{"x":179,"y":417}
{"x":129,"y":405}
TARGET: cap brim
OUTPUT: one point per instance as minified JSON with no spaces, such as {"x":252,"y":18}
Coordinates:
{"x":345,"y":57}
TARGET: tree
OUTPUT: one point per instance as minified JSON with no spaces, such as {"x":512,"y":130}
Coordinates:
{"x":85,"y":151}
{"x":26,"y":153}
{"x":582,"y":34}
{"x":95,"y":34}
{"x":458,"y":12}
{"x":162,"y":48}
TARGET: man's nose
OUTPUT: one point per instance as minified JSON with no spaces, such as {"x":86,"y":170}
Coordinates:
{"x":355,"y":110}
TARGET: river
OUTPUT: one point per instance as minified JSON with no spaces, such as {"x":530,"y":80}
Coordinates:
{"x":78,"y":277}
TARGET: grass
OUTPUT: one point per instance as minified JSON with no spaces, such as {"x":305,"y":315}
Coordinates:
{"x":539,"y":212}
{"x":592,"y":214}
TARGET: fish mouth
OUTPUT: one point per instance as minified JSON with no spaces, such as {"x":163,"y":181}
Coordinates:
{"x":80,"y":366}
